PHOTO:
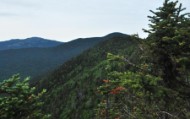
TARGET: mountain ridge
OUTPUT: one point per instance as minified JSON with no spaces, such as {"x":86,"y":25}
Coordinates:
{"x":31,"y":42}
{"x":35,"y":61}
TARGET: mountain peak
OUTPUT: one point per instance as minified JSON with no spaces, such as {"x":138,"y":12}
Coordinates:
{"x":28,"y":43}
{"x":31,"y":38}
{"x":116,"y":34}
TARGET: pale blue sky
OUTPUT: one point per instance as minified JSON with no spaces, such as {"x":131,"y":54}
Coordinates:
{"x":66,"y":20}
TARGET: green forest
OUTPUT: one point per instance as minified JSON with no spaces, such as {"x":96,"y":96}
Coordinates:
{"x":121,"y":77}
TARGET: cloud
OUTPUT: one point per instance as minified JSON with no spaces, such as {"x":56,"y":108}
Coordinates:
{"x":19,"y":3}
{"x":6,"y":14}
{"x":10,"y":8}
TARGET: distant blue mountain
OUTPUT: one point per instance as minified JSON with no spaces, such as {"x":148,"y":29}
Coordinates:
{"x":28,"y":43}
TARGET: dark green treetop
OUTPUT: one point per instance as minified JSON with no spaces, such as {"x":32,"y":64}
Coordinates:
{"x":169,"y":40}
{"x":18,"y":100}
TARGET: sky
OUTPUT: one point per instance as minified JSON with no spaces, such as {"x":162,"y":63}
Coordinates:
{"x":65,"y":20}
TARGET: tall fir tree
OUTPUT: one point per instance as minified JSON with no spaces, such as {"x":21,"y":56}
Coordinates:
{"x":169,"y":39}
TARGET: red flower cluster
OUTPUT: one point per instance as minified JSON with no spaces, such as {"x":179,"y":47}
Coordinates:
{"x":117,"y":90}
{"x":106,"y":81}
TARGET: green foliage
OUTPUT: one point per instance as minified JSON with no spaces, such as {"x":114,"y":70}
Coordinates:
{"x":127,"y":91}
{"x":137,"y":94}
{"x":18,"y":101}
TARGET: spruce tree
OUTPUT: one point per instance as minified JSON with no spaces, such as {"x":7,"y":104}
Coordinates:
{"x":169,"y":39}
{"x":18,"y":100}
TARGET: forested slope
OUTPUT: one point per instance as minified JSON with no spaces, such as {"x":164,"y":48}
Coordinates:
{"x":36,"y":61}
{"x":72,"y":88}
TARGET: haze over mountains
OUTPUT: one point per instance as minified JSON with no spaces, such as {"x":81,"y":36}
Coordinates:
{"x":36,"y":56}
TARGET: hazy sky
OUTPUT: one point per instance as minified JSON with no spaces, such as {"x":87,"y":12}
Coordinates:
{"x":69,"y":19}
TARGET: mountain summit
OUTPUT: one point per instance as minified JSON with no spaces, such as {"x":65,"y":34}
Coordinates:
{"x":28,"y":43}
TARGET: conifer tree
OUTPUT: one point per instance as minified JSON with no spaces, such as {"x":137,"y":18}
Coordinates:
{"x":18,"y":100}
{"x":169,"y":39}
